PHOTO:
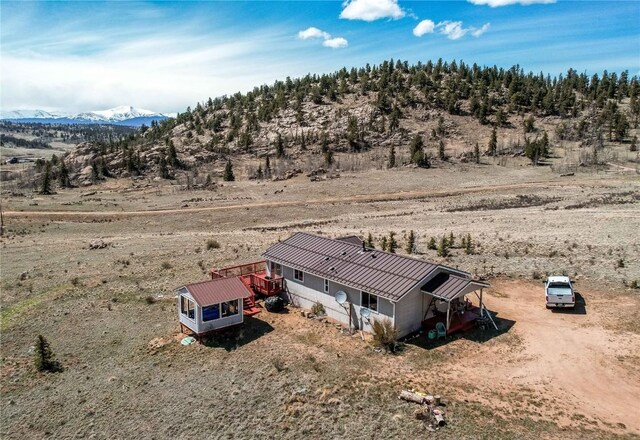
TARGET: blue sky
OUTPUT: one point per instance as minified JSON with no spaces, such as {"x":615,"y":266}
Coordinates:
{"x":165,"y":56}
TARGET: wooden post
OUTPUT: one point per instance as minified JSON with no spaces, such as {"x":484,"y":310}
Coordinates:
{"x":481,"y":302}
{"x":448,"y":314}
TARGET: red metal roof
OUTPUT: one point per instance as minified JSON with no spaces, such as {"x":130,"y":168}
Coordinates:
{"x":381,"y":273}
{"x":210,"y":292}
{"x":447,"y":286}
{"x":353,"y":239}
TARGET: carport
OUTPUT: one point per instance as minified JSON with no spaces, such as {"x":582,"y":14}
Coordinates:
{"x":450,"y":290}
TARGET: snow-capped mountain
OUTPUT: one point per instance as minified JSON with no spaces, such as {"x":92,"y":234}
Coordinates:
{"x":122,"y":115}
{"x":22,"y":114}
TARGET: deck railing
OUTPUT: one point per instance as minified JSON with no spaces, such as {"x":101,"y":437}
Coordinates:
{"x":239,"y":270}
{"x":253,"y":275}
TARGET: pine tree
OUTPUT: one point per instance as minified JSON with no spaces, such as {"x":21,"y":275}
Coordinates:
{"x":634,"y":144}
{"x":279,"y":146}
{"x":259,"y":173}
{"x":369,"y":242}
{"x":452,"y":240}
{"x":476,"y":153}
{"x":328,"y":158}
{"x":102,"y":167}
{"x":45,"y":183}
{"x":392,"y":244}
{"x":63,"y":175}
{"x":493,"y":142}
{"x":411,"y":243}
{"x":384,"y":243}
{"x":228,"y":172}
{"x":172,"y":155}
{"x":468,"y":245}
{"x":441,"y":151}
{"x":392,"y":157}
{"x":267,"y":167}
{"x":95,"y":174}
{"x":432,"y":244}
{"x":443,"y":250}
{"x":163,"y":170}
{"x":325,"y":143}
{"x":43,"y":355}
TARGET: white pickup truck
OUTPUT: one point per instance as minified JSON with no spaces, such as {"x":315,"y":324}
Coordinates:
{"x":559,"y":292}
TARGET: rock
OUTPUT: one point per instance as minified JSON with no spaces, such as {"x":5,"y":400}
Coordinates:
{"x":98,"y":244}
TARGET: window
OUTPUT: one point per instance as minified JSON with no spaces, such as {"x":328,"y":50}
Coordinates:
{"x":298,"y":275}
{"x":187,"y":307}
{"x":276,"y":269}
{"x":229,"y":308}
{"x":210,"y":313}
{"x":370,"y":301}
{"x":326,"y":285}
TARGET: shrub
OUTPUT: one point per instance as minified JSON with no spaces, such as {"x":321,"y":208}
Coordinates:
{"x":536,"y":275}
{"x":384,"y":335}
{"x":150,"y":299}
{"x":212,"y":244}
{"x":43,"y":357}
{"x":166,"y":265}
{"x":635,"y":284}
{"x":620,"y":262}
{"x":278,"y":363}
{"x":318,"y":309}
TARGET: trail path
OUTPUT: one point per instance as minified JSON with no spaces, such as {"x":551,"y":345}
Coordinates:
{"x":358,"y":198}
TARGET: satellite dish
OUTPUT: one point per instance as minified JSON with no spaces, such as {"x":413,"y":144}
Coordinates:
{"x":341,"y":297}
{"x":365,"y":313}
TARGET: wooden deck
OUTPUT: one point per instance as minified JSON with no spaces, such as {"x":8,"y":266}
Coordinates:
{"x":459,"y":321}
{"x":254,"y":277}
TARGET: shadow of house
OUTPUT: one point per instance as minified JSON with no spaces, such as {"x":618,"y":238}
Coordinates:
{"x":232,"y":338}
{"x":579,"y":309}
{"x":476,"y":334}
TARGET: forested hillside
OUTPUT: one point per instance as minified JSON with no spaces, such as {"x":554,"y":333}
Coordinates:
{"x":393,"y":113}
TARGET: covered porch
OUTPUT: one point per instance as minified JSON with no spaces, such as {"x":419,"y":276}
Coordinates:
{"x":449,"y":305}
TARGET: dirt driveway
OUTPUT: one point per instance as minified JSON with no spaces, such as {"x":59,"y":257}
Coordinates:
{"x":573,"y":358}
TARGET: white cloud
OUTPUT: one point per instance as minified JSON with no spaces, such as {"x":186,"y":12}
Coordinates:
{"x":452,"y":29}
{"x":371,"y":10}
{"x":313,"y":32}
{"x":424,"y":27}
{"x":335,"y":43}
{"x":477,"y":32}
{"x":498,"y":3}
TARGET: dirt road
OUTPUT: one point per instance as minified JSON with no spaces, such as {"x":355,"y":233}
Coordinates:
{"x":358,"y":198}
{"x":569,"y":356}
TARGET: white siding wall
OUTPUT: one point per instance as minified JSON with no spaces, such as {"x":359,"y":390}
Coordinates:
{"x":410,"y":311}
{"x":191,"y":324}
{"x":205,"y":326}
{"x":197,"y":325}
{"x":305,"y":294}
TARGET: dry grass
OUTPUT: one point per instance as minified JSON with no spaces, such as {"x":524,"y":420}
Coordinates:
{"x":102,"y":325}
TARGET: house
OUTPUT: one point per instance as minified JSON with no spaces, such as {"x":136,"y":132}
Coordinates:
{"x":211,"y":305}
{"x":405,"y":290}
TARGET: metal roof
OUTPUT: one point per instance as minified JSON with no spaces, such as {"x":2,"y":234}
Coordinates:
{"x":381,"y":273}
{"x":448,"y":286}
{"x":206,"y":293}
{"x":353,"y":239}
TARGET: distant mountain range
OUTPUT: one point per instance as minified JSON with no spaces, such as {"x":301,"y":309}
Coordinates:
{"x":122,"y":115}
